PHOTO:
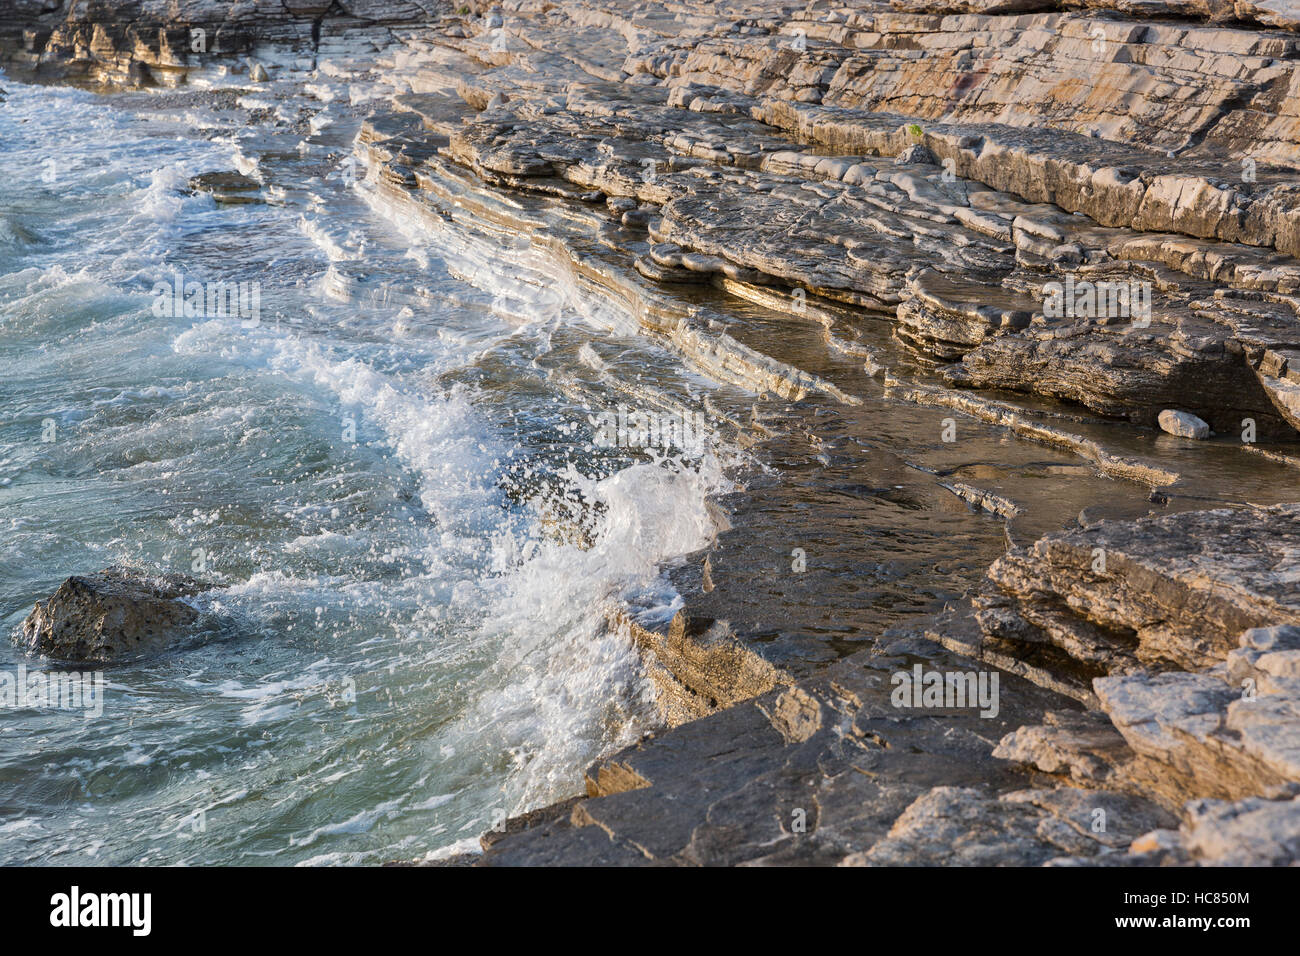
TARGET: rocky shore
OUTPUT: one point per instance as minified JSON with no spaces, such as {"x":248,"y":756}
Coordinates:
{"x":1187,"y":752}
{"x":1068,"y":228}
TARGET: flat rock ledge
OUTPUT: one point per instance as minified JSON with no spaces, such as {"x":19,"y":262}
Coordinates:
{"x":1187,"y":753}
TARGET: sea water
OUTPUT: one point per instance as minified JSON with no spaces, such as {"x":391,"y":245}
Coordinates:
{"x":410,"y":535}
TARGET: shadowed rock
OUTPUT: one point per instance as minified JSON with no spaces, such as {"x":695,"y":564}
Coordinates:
{"x":112,"y":616}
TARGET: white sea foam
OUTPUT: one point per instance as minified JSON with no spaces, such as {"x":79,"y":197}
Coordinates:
{"x":482,"y":673}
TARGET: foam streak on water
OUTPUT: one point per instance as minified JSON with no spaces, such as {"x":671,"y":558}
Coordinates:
{"x":412,"y":538}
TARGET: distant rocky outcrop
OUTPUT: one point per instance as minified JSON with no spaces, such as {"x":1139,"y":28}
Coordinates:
{"x":113,"y":616}
{"x":158,"y":42}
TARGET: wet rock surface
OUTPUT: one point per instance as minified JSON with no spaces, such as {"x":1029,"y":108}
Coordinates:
{"x":831,"y":772}
{"x":227,"y":187}
{"x":700,"y":666}
{"x":112,"y":616}
{"x":1175,"y":767}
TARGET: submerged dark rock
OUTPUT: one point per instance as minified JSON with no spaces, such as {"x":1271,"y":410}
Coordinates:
{"x":112,"y":616}
{"x":228,"y":187}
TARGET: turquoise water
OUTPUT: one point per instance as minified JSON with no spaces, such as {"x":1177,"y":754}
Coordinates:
{"x":372,"y":479}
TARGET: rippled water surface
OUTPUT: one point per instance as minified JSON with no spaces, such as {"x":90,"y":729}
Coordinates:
{"x":405,"y":521}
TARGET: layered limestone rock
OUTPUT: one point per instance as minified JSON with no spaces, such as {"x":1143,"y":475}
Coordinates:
{"x":891,"y":248}
{"x":1194,"y":618}
{"x":1252,"y":832}
{"x":830,"y":772}
{"x":1000,"y":189}
{"x":956,"y":826}
{"x":699,"y":666}
{"x":999,"y":184}
{"x":1026,"y":242}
